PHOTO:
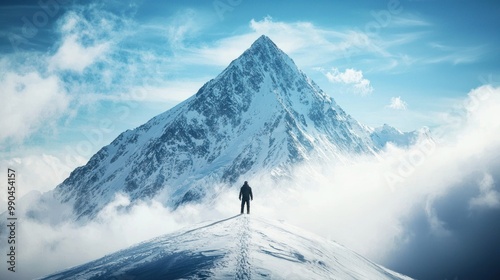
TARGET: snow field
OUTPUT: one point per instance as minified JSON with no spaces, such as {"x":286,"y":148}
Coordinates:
{"x":240,"y":247}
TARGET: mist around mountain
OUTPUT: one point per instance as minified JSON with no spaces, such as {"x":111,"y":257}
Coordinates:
{"x":260,"y":113}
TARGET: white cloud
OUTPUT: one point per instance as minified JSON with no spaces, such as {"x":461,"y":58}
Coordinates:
{"x":424,"y":172}
{"x":350,"y":77}
{"x":48,"y":248}
{"x":72,"y":55}
{"x":437,"y":227}
{"x":83,"y":41}
{"x":488,"y":196}
{"x":33,"y":101}
{"x":397,"y":103}
{"x":42,"y":171}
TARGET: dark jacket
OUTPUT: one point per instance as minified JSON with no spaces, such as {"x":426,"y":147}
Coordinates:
{"x":246,"y":192}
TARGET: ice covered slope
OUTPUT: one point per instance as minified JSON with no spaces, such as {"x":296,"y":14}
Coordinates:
{"x":240,"y":247}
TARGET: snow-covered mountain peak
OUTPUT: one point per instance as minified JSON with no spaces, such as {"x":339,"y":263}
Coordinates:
{"x":240,"y":247}
{"x":264,"y":51}
{"x":389,"y":134}
{"x":264,"y":41}
{"x":260,"y":117}
{"x":265,"y":64}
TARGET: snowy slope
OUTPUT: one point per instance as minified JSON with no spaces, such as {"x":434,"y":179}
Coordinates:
{"x":260,"y":113}
{"x":240,"y":247}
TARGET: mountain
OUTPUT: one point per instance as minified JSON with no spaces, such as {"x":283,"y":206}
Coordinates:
{"x":240,"y":247}
{"x":388,"y":134}
{"x":260,"y":114}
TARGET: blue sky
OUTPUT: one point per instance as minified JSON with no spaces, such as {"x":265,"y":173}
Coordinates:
{"x":395,"y":62}
{"x":76,"y":74}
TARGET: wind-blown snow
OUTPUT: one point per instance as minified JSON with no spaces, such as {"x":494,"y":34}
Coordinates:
{"x":239,"y":247}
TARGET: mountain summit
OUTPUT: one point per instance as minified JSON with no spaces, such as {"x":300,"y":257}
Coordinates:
{"x":240,"y":247}
{"x":261,"y":114}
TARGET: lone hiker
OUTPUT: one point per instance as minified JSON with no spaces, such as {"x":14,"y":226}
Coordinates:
{"x":246,"y":194}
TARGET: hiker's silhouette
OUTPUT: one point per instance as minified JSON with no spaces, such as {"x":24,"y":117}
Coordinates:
{"x":245,"y":197}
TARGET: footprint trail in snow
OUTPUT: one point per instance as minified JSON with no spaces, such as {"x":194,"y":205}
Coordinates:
{"x":240,"y":247}
{"x":243,"y":267}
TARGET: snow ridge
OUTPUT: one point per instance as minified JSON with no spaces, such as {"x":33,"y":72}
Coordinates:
{"x":239,"y":247}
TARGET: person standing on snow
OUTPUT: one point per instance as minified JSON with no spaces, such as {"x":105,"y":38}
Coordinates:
{"x":245,"y":196}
